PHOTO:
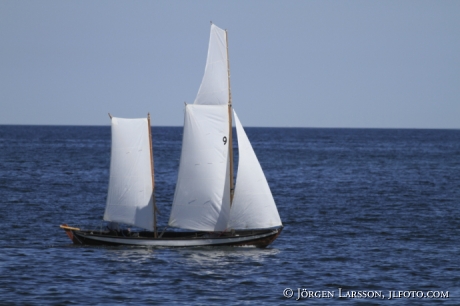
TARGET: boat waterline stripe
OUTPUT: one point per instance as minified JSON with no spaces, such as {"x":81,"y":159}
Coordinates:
{"x":177,"y":242}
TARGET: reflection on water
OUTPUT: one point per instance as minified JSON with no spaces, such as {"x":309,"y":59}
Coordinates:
{"x":130,"y":254}
{"x":212,"y":257}
{"x":196,"y":257}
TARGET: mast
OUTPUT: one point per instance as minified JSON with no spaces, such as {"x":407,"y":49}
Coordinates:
{"x":230,"y":138}
{"x":153,"y":180}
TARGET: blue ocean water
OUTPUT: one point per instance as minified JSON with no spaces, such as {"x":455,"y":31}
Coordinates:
{"x":365,"y":210}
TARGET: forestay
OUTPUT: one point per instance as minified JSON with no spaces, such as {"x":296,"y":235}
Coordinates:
{"x":214,"y":86}
{"x":129,"y":199}
{"x":202,"y":196}
{"x":253,"y":204}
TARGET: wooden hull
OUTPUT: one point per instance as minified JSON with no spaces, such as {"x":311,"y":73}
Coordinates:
{"x":257,"y":238}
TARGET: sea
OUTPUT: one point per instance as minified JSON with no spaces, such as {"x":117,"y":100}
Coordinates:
{"x":371,"y":217}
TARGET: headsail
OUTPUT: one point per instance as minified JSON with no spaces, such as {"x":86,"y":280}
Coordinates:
{"x":214,"y":89}
{"x":202,"y":198}
{"x":130,"y":193}
{"x":253,"y":204}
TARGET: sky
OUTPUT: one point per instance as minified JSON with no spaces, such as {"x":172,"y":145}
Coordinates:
{"x":337,"y":64}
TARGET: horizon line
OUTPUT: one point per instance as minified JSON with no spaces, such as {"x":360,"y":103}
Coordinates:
{"x":268,"y":127}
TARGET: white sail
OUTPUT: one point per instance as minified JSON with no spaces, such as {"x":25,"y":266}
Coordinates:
{"x":129,"y":199}
{"x":214,"y":86}
{"x":202,"y":198}
{"x":253,"y":204}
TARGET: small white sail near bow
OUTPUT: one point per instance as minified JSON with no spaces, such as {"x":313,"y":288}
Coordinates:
{"x":130,"y":194}
{"x":253,"y":204}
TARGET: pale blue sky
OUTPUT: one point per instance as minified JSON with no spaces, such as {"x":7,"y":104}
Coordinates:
{"x":378,"y":64}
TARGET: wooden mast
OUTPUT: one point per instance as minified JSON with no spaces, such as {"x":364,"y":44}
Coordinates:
{"x":230,"y":140}
{"x":155,"y":233}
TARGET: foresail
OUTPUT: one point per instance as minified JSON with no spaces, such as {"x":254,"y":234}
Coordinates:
{"x":253,"y":204}
{"x":214,"y":86}
{"x":129,"y":198}
{"x":202,"y":198}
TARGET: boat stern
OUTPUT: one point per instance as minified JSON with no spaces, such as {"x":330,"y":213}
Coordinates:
{"x":69,"y":231}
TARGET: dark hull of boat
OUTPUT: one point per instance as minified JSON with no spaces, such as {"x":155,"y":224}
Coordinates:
{"x":257,"y":238}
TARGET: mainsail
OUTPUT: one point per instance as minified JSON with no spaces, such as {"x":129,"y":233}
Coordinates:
{"x":130,"y":194}
{"x":253,"y":204}
{"x":202,"y":198}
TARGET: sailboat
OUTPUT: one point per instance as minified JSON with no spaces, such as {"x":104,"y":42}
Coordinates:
{"x":209,"y":208}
